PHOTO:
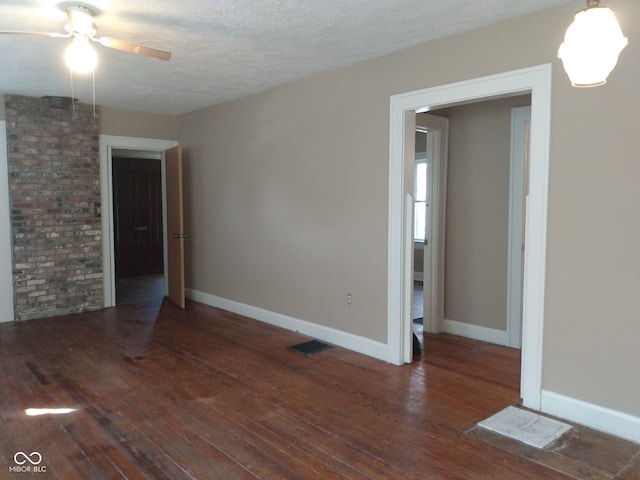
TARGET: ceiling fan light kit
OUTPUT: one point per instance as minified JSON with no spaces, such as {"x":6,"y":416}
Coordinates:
{"x":80,"y":56}
{"x":591,"y":45}
{"x":80,"y":21}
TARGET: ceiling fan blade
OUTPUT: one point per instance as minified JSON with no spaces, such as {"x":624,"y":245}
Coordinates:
{"x":134,"y":48}
{"x":39,"y":34}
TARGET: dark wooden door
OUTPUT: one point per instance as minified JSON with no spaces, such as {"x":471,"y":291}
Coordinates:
{"x":137,"y":197}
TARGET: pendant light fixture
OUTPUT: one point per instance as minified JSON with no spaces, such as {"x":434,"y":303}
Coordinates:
{"x":591,"y":45}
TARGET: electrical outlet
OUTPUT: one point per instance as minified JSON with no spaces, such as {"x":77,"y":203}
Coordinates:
{"x":348,"y":299}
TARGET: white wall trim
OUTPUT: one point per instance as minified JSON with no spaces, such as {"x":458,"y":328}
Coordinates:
{"x":331,"y":335}
{"x":476,"y":332}
{"x":536,"y":80}
{"x":520,"y":117}
{"x":434,"y":263}
{"x":7,"y":312}
{"x":108,"y":143}
{"x":593,"y":416}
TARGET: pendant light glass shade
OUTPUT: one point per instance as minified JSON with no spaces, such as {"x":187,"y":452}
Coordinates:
{"x":80,"y":56}
{"x":591,"y":46}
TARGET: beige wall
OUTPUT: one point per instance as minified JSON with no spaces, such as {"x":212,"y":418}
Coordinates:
{"x":287,"y":197}
{"x":137,"y":124}
{"x":592,"y":302}
{"x":477,"y":215}
{"x":284,"y":211}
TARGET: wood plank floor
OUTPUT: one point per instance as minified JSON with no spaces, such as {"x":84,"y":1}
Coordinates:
{"x":141,"y":288}
{"x":162,"y":393}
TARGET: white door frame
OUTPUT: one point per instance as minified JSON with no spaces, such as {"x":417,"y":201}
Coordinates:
{"x":520,"y":116}
{"x":437,"y":155}
{"x":430,"y":286}
{"x":7,"y":309}
{"x":534,"y":80}
{"x":421,"y":157}
{"x":108,"y":143}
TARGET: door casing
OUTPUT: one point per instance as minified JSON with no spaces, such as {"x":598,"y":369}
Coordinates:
{"x":7,"y":312}
{"x":536,"y":81}
{"x":108,"y":143}
{"x":520,"y":118}
{"x":437,"y":159}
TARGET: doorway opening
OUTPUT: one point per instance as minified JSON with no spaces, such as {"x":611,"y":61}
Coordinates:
{"x":535,"y":81}
{"x":130,"y":147}
{"x":138,"y":226}
{"x":483,"y":211}
{"x":481,"y":216}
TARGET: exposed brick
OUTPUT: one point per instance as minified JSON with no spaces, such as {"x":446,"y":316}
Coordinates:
{"x":54,"y":181}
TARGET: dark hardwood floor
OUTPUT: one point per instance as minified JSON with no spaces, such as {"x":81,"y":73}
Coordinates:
{"x":163,"y":393}
{"x":141,"y":288}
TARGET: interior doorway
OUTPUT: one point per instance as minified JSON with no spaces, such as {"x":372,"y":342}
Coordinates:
{"x":138,"y":226}
{"x":482,"y":267}
{"x":480,"y":273}
{"x":111,"y":146}
{"x":536,"y":81}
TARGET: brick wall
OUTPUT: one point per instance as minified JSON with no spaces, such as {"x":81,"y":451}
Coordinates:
{"x":54,"y":182}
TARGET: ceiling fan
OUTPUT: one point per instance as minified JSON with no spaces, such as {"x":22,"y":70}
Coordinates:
{"x":80,"y":55}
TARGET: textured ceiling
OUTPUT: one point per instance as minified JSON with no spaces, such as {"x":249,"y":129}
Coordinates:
{"x":224,"y":49}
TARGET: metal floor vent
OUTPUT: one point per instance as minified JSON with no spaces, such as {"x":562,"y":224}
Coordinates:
{"x":310,"y":347}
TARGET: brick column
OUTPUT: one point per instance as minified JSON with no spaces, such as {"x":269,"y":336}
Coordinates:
{"x":54,"y":182}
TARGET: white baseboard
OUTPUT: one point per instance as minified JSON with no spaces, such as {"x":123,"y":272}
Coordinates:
{"x":593,"y":416}
{"x":484,"y":334}
{"x":330,"y":335}
{"x":418,"y":276}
